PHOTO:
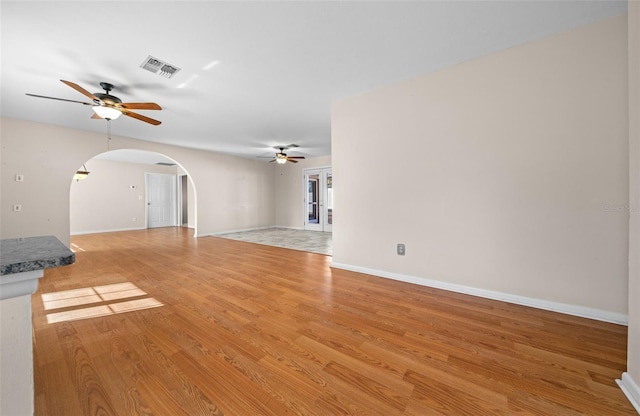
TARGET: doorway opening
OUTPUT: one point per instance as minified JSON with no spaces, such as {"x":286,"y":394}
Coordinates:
{"x":183,"y":198}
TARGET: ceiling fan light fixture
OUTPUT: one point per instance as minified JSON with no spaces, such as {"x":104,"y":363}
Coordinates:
{"x":281,"y":158}
{"x":107,"y":113}
{"x":81,"y":174}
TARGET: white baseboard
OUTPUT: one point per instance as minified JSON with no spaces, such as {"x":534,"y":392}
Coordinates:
{"x":107,"y":231}
{"x":630,"y":389}
{"x":575,"y":310}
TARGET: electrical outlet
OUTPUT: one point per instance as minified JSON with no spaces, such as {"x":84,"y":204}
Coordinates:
{"x":400,"y":249}
{"x":17,"y":208}
{"x":19,"y":178}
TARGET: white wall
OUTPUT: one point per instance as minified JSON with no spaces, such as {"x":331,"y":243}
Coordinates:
{"x":289,"y":182}
{"x":232,"y":193}
{"x":105,"y":201}
{"x":631,"y":380}
{"x":507,"y":174}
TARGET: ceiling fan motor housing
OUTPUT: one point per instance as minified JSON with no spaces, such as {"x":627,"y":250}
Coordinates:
{"x":106,"y":97}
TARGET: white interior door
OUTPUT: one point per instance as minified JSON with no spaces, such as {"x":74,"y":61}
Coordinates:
{"x":161,"y":200}
{"x":318,"y":200}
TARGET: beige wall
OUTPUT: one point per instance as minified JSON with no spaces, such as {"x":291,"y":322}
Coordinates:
{"x":632,"y":381}
{"x":289,"y":181}
{"x":504,"y":175}
{"x":231,"y":193}
{"x":105,"y":201}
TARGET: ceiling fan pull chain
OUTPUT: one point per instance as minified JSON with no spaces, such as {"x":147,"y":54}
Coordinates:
{"x":108,"y":134}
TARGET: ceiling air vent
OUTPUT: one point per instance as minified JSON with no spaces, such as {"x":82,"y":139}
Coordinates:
{"x":165,"y":164}
{"x":159,"y":67}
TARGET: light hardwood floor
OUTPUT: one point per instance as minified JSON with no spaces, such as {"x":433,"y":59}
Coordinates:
{"x":247,"y":329}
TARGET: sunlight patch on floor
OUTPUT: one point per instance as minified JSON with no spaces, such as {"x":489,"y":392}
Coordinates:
{"x":92,"y":295}
{"x":75,"y":248}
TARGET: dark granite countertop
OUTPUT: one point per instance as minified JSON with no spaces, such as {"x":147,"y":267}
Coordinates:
{"x":19,"y":255}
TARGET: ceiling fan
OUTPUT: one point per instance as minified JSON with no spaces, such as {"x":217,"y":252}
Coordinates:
{"x":281,"y":157}
{"x":107,"y":106}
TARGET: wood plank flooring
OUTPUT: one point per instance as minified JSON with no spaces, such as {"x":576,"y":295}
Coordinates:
{"x":247,"y":329}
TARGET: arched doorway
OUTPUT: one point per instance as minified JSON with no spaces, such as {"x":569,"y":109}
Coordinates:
{"x":118,"y":194}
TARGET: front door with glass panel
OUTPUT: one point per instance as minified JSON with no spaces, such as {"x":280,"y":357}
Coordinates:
{"x":318,"y":200}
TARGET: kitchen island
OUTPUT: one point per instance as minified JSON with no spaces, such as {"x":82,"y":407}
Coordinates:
{"x":22,"y":263}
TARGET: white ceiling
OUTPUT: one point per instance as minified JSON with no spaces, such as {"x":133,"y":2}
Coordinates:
{"x":254,"y":75}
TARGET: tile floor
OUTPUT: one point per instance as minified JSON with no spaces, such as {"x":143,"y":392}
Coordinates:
{"x":312,"y":241}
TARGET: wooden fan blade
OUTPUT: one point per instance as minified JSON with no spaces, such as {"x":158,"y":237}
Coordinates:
{"x":272,"y":160}
{"x":140,"y":106}
{"x":141,"y":117}
{"x":59,"y":99}
{"x":291,"y":160}
{"x":82,"y":91}
{"x":295,"y":157}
